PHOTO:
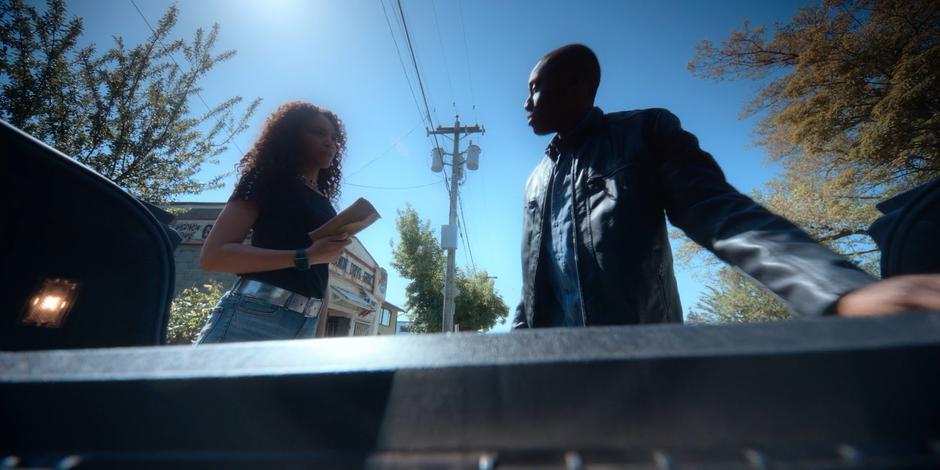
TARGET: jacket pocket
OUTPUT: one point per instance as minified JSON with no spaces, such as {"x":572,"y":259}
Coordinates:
{"x":610,"y":200}
{"x":612,"y":183}
{"x":532,"y":207}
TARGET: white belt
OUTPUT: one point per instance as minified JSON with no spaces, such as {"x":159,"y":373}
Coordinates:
{"x":306,"y":306}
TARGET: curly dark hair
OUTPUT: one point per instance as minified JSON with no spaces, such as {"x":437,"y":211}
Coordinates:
{"x":276,"y":156}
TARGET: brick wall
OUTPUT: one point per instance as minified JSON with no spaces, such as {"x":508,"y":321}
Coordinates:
{"x":189,"y":273}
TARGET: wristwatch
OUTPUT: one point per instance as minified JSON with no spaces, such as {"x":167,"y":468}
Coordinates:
{"x":301,"y":262}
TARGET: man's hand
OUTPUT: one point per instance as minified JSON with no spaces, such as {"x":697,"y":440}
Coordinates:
{"x":892,"y":295}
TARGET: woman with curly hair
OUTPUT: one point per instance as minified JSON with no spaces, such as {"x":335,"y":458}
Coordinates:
{"x":287,"y":184}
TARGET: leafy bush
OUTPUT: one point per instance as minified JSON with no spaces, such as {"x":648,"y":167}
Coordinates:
{"x":190,"y":310}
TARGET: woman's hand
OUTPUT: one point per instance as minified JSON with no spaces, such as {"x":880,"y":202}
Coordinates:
{"x":327,"y":250}
{"x":224,"y":251}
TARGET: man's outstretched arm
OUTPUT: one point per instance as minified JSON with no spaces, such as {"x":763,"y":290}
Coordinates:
{"x":770,"y":249}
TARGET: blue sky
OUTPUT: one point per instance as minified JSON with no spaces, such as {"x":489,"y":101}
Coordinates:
{"x":341,"y":55}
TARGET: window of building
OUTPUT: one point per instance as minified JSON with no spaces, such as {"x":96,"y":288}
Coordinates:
{"x":341,"y":263}
{"x":335,"y":326}
{"x":367,"y":278}
{"x":361,"y":329}
{"x":355,"y":270}
{"x":386,"y":317}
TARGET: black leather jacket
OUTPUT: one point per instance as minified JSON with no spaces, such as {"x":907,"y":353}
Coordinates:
{"x":630,"y":169}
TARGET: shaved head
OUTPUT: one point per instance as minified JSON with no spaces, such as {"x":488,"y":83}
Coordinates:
{"x":562,"y":88}
{"x":574,"y":62}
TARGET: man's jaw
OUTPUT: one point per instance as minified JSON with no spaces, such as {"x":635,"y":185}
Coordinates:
{"x":537,"y":128}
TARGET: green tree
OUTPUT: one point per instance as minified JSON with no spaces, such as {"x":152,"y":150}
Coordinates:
{"x":124,"y":112}
{"x":190,"y":310}
{"x":850,"y":107}
{"x":419,"y":258}
{"x":477,"y":306}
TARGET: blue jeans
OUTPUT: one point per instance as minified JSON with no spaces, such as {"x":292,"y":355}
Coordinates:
{"x":240,"y":318}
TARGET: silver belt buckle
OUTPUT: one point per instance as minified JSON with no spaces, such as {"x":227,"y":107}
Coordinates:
{"x":306,"y":306}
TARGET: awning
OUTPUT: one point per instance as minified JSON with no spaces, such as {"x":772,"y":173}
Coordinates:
{"x":343,"y":295}
{"x":369,"y":297}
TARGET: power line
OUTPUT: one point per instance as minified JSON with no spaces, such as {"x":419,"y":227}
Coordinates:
{"x":402,"y":62}
{"x":440,"y":40}
{"x":466,"y":229}
{"x":208,"y":109}
{"x":446,"y":180}
{"x":466,"y":48}
{"x":465,"y":259}
{"x":414,"y":61}
{"x":393,"y":188}
{"x":404,"y":25}
{"x":389,"y":149}
{"x":424,"y":95}
{"x":404,"y":28}
{"x":466,"y":249}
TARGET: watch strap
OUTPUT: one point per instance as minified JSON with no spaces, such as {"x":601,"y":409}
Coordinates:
{"x":301,"y":262}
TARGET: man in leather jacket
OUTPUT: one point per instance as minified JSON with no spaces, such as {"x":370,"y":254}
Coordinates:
{"x":595,"y":249}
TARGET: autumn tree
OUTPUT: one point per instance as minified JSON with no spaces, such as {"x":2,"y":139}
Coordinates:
{"x":852,"y":89}
{"x":734,"y":298}
{"x":419,"y":258}
{"x":125,"y":112}
{"x":850,"y":108}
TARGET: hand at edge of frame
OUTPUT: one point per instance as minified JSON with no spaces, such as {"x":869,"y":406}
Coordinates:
{"x":892,"y":295}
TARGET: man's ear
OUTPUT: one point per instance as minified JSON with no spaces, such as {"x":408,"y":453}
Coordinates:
{"x":582,"y":89}
{"x":575,"y":82}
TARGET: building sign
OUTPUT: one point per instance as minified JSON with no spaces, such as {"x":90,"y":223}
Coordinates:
{"x":194,"y":232}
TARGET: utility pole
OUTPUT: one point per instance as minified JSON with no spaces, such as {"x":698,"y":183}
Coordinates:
{"x":449,"y":232}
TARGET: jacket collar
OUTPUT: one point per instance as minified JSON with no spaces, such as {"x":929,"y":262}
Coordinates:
{"x":576,"y":137}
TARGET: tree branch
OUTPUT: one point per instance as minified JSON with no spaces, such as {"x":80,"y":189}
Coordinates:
{"x":841,"y":234}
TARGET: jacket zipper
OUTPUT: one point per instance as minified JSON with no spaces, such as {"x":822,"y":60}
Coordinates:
{"x":575,"y":229}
